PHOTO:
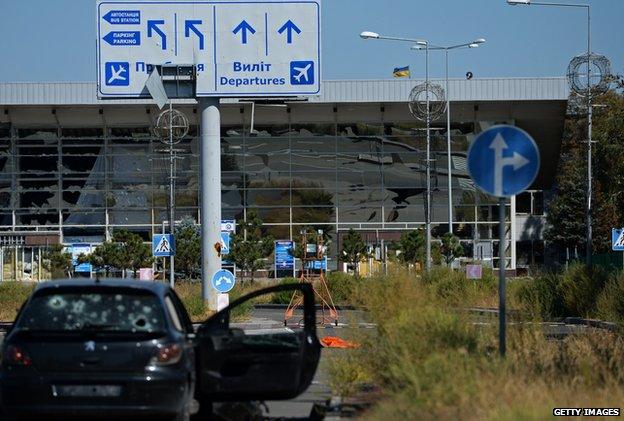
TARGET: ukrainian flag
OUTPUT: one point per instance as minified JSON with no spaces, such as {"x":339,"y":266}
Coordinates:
{"x":401,"y":71}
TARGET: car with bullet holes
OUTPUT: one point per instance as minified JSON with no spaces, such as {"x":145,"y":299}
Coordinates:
{"x":119,"y":347}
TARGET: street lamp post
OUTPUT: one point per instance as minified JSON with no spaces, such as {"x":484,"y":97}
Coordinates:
{"x":428,"y":165}
{"x":473,"y":44}
{"x":588,"y":256}
{"x":423,"y":43}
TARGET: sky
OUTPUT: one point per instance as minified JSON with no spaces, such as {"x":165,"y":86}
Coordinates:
{"x":46,"y":41}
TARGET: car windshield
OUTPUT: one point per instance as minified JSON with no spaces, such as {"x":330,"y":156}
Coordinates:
{"x":114,"y":311}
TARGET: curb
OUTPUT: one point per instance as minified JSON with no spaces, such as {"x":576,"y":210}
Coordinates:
{"x":285,"y":306}
{"x":597,"y":324}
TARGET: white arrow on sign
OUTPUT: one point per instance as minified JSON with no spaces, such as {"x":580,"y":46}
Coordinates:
{"x":222,"y":280}
{"x":517,"y":161}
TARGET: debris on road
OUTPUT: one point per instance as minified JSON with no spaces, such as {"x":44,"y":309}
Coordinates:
{"x":335,"y":342}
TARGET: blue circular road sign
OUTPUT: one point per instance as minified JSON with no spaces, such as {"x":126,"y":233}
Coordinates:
{"x":223,"y":281}
{"x":503,"y":161}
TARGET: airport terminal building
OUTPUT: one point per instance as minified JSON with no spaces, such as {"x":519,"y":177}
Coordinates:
{"x":73,"y":168}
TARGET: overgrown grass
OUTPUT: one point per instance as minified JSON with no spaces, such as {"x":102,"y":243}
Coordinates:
{"x":579,"y":291}
{"x":433,"y":362}
{"x":12,"y":296}
{"x":190,"y":294}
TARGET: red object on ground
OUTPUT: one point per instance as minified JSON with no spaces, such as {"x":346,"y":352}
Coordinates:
{"x":334,"y":342}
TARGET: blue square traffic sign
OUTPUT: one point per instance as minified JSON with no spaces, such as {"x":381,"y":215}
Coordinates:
{"x":225,"y":243}
{"x":302,"y":73}
{"x":163,"y":245}
{"x":117,"y":73}
{"x":617,"y":239}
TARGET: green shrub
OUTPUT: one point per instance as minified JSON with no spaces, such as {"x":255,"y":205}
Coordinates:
{"x":346,"y":374}
{"x":191,"y":296}
{"x":285,"y":296}
{"x":541,"y":296}
{"x":580,"y":288}
{"x":12,"y":296}
{"x":610,"y":305}
{"x":573,"y":292}
{"x":342,"y":286}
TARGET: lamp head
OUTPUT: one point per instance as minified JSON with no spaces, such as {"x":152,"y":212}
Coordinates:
{"x":473,"y":45}
{"x":369,"y":35}
{"x":479,"y":41}
{"x":416,"y":47}
{"x":516,"y":2}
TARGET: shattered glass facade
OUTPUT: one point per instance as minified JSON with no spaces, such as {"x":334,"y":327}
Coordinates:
{"x":331,"y":176}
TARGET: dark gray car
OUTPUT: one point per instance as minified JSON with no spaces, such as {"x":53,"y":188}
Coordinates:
{"x":125,"y":348}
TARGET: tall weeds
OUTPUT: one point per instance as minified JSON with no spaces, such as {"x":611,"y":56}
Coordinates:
{"x":433,"y":362}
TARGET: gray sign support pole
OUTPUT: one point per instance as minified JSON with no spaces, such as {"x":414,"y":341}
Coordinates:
{"x":210,"y":168}
{"x":502,"y":307}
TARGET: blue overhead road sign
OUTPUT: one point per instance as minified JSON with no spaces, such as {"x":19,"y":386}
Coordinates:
{"x":503,"y":161}
{"x":223,"y":281}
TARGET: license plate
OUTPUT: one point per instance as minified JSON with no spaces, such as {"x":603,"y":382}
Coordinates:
{"x":86,"y":391}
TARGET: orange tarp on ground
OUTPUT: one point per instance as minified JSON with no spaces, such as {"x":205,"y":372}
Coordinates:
{"x":334,"y":342}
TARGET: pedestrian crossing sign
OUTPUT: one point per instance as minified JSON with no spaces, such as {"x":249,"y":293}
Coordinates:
{"x":163,"y":245}
{"x":617,"y":238}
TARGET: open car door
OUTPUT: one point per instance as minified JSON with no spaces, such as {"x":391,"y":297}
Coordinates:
{"x":234,"y":365}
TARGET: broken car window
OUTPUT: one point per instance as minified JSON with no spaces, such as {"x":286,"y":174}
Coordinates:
{"x":101,"y":311}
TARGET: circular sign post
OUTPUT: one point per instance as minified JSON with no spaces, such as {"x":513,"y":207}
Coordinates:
{"x":223,"y":281}
{"x":503,"y":161}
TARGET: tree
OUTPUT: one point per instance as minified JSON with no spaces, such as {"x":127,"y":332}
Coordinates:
{"x":412,"y":246}
{"x":58,"y":262}
{"x":451,"y":248}
{"x":188,"y":247}
{"x":133,"y":252}
{"x":353,"y":249}
{"x":126,"y":251}
{"x":567,"y":211}
{"x":249,"y":247}
{"x":104,"y":257}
